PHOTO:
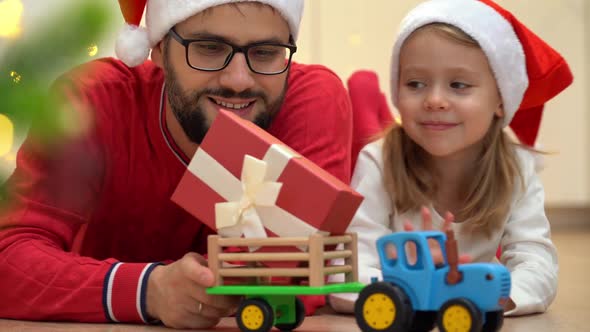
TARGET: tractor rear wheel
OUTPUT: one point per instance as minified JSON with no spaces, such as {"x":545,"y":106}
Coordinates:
{"x":382,"y":306}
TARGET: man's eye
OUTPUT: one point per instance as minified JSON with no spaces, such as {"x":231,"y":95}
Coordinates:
{"x":267,"y":52}
{"x":208,"y":48}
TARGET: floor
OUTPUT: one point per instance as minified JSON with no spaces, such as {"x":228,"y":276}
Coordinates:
{"x":573,"y":248}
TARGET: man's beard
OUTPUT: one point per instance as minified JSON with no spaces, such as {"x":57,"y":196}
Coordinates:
{"x":191,"y":116}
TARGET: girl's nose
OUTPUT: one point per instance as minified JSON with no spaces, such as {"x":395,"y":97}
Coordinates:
{"x":435,"y":100}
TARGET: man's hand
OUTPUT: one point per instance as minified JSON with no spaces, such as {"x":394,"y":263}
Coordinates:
{"x":435,"y":249}
{"x":176,"y":295}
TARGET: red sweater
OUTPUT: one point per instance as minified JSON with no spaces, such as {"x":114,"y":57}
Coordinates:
{"x":92,"y":214}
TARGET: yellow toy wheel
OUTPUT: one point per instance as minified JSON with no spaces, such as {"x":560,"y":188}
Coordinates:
{"x":459,"y":315}
{"x":252,"y":317}
{"x":382,"y":306}
{"x":457,"y":318}
{"x":255,"y":315}
{"x":379,"y":311}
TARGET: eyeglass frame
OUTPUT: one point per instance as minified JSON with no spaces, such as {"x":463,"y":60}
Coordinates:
{"x":235,"y":49}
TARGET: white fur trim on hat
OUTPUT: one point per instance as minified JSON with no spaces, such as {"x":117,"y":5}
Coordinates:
{"x":164,"y":14}
{"x":491,"y":30}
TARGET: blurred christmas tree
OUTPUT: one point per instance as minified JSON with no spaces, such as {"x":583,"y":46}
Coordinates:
{"x":27,"y":66}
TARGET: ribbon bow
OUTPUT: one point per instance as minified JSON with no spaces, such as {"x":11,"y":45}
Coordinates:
{"x":235,"y":218}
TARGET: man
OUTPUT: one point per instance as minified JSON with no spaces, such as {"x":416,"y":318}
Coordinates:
{"x":92,"y":234}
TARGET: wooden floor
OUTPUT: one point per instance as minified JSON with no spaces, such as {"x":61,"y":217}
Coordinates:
{"x":573,"y":295}
{"x":572,"y":304}
{"x":566,"y":314}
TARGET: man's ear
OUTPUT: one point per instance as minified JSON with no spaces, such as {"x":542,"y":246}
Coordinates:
{"x":158,"y":54}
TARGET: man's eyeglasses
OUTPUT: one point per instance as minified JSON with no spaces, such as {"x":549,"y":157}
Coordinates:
{"x":214,"y":55}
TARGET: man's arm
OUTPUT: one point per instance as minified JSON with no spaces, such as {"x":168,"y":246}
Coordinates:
{"x":52,"y":195}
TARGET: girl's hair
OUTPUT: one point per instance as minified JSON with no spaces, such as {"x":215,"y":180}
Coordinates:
{"x":412,"y":183}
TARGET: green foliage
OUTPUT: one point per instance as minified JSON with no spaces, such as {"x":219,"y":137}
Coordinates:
{"x":54,"y":48}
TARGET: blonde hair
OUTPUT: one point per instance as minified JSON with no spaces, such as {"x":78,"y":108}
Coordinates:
{"x":411,"y":182}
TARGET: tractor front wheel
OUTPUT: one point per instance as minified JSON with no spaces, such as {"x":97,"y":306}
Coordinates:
{"x":459,"y":315}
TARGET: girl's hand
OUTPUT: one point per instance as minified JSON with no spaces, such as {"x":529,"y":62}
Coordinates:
{"x":509,"y":305}
{"x":435,"y":249}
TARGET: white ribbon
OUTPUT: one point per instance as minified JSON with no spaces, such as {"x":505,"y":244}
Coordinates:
{"x":250,"y":205}
{"x":232,"y":219}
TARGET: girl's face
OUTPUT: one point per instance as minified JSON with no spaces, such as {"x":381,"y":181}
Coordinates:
{"x":447,"y":95}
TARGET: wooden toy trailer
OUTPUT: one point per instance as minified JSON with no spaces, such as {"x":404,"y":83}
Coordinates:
{"x":267,"y":304}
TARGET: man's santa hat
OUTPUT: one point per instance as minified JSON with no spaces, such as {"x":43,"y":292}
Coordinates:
{"x":134,"y":42}
{"x":528,"y":72}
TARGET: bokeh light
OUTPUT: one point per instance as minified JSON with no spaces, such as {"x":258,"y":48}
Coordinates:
{"x":16,"y":78}
{"x":355,"y":40}
{"x":92,"y":50}
{"x":6,"y":135}
{"x":11,"y":12}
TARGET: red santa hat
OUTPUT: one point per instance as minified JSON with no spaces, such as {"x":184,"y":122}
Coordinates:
{"x":528,"y":72}
{"x":134,"y":42}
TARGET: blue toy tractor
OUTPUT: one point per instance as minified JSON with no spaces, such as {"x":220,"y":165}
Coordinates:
{"x":418,"y":290}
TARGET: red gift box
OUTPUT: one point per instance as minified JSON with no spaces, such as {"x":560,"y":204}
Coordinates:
{"x":301,"y":198}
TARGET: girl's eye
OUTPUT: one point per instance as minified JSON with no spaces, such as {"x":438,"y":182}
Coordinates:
{"x":415,"y":84}
{"x":459,"y":85}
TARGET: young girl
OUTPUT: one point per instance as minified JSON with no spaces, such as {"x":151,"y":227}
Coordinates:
{"x":462,"y":70}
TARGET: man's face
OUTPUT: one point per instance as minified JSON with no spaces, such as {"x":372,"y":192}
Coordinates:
{"x":196,"y":96}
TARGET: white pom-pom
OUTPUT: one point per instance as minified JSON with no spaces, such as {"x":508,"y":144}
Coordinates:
{"x":133,"y":45}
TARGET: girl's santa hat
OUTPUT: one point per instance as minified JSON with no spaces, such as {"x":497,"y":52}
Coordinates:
{"x":527,"y":70}
{"x":134,"y":42}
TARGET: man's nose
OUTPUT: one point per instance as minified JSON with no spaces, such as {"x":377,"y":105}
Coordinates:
{"x":237,"y":76}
